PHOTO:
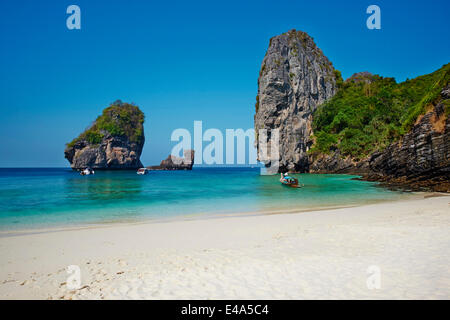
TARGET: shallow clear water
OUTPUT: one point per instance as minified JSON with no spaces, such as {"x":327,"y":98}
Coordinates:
{"x":38,"y":198}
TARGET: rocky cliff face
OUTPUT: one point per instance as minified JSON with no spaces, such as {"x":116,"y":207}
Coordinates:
{"x":111,"y":153}
{"x":421,"y":159}
{"x":295,"y":78}
{"x":335,"y":163}
{"x":114,"y":141}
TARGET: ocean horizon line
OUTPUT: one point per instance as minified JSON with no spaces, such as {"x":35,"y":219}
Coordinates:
{"x":195,"y":166}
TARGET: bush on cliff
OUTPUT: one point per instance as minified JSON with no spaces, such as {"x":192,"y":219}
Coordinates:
{"x":369,"y":112}
{"x":119,"y":119}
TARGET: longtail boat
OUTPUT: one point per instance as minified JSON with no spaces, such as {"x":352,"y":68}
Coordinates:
{"x":289,"y":181}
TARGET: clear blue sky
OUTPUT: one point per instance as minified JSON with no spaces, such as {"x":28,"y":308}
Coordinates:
{"x":181,"y":61}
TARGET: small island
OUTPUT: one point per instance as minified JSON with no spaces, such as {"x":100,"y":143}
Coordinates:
{"x":113,"y":142}
{"x":176,"y":163}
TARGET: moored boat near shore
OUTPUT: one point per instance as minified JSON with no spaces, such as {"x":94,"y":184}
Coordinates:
{"x":142,"y":171}
{"x":87,"y":172}
{"x":289,"y":181}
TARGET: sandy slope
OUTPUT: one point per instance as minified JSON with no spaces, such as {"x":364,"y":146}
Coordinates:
{"x":321,"y":254}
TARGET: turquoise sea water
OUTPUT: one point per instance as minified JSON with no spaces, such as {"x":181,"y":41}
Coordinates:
{"x":42,"y":198}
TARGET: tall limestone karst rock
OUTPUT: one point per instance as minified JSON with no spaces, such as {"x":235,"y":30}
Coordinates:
{"x":295,"y":78}
{"x":114,"y":141}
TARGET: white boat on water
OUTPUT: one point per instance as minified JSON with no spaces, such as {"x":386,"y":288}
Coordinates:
{"x":142,"y":171}
{"x":87,"y":171}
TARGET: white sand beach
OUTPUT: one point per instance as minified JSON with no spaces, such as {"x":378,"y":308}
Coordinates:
{"x":308,"y":255}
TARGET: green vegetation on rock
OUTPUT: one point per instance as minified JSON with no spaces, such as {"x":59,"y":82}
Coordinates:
{"x":119,"y":119}
{"x":369,"y":112}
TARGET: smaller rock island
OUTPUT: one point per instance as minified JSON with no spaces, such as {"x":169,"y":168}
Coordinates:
{"x":176,"y":163}
{"x":113,"y":142}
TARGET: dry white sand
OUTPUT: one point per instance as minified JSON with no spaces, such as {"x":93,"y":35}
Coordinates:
{"x":313,"y":255}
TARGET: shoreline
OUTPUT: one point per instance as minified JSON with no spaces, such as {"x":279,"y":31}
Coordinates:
{"x":315,"y":255}
{"x":412,"y":195}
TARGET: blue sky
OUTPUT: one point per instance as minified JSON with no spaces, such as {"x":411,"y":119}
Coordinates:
{"x":181,"y":61}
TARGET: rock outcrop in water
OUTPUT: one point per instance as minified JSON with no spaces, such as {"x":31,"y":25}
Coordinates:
{"x":295,"y":78}
{"x":176,"y":163}
{"x":114,"y":141}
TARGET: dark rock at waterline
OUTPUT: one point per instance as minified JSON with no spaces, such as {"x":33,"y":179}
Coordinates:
{"x":419,"y":161}
{"x":335,"y":163}
{"x":421,"y":158}
{"x":176,"y":163}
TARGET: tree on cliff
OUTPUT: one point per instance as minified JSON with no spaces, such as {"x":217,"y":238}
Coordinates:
{"x":370,"y":112}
